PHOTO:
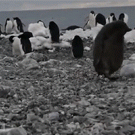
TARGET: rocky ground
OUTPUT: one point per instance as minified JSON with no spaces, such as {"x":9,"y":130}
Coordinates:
{"x":56,"y":94}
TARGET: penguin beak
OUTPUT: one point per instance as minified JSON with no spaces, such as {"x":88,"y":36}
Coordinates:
{"x":129,"y":29}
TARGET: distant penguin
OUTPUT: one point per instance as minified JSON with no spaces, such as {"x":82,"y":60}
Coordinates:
{"x":108,"y":48}
{"x":18,"y":25}
{"x":8,"y":26}
{"x":112,"y":17}
{"x":123,"y":17}
{"x":91,"y":21}
{"x":41,"y":23}
{"x":16,"y":46}
{"x":54,"y":31}
{"x":72,"y":27}
{"x":77,"y":47}
{"x":100,"y":19}
{"x":26,"y":44}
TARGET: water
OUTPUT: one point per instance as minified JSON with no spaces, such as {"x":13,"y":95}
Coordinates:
{"x":66,"y":17}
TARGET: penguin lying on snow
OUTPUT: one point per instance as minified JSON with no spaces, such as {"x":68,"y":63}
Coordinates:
{"x":77,"y":47}
{"x":72,"y":27}
{"x":54,"y":31}
{"x":108,"y":48}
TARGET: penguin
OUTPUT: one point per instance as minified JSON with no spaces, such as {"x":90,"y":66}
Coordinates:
{"x":8,"y":26}
{"x":123,"y":17}
{"x":100,"y":19}
{"x":91,"y":21}
{"x":77,"y":47}
{"x":41,"y":23}
{"x":72,"y":27}
{"x":112,"y":17}
{"x":16,"y":46}
{"x":18,"y":25}
{"x":54,"y":31}
{"x":26,"y":44}
{"x":108,"y":48}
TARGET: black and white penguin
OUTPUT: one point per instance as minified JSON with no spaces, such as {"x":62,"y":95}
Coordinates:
{"x":111,"y":18}
{"x":18,"y":25}
{"x":54,"y":31}
{"x":123,"y":17}
{"x":72,"y":27}
{"x":77,"y":47}
{"x":16,"y":46}
{"x":8,"y":26}
{"x":26,"y":44}
{"x":100,"y":19}
{"x":108,"y":48}
{"x":91,"y":21}
{"x":41,"y":23}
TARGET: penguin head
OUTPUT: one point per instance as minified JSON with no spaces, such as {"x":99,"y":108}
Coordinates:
{"x":76,"y":41}
{"x":26,"y":34}
{"x":92,"y":12}
{"x":52,"y":25}
{"x":41,"y":23}
{"x":121,"y":17}
{"x":11,"y":39}
{"x":112,"y":14}
{"x":122,"y":27}
{"x":8,"y":19}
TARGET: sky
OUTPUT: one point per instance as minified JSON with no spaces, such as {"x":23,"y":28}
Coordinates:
{"x":14,"y":5}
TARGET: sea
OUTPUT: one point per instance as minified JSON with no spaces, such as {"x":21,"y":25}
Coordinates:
{"x":66,"y":17}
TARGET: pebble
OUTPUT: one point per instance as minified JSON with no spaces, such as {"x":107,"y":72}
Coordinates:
{"x":128,"y":70}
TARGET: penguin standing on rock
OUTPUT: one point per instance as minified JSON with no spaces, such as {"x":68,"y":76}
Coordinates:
{"x":18,"y":25}
{"x":108,"y":48}
{"x":77,"y":47}
{"x":8,"y":26}
{"x":54,"y":31}
{"x":26,"y":44}
{"x":16,"y":46}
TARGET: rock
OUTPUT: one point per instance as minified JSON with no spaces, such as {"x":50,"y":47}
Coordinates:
{"x":13,"y":131}
{"x":128,"y":70}
{"x":71,"y":126}
{"x":54,"y":71}
{"x":1,"y":112}
{"x":29,"y":64}
{"x":31,"y":91}
{"x":39,"y":127}
{"x":4,"y":91}
{"x":50,"y":63}
{"x":37,"y":56}
{"x":79,"y":119}
{"x":8,"y":59}
{"x":32,"y":117}
{"x":84,"y":103}
{"x":87,"y":48}
{"x":54,"y":116}
{"x":132,"y":57}
{"x":125,"y":62}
